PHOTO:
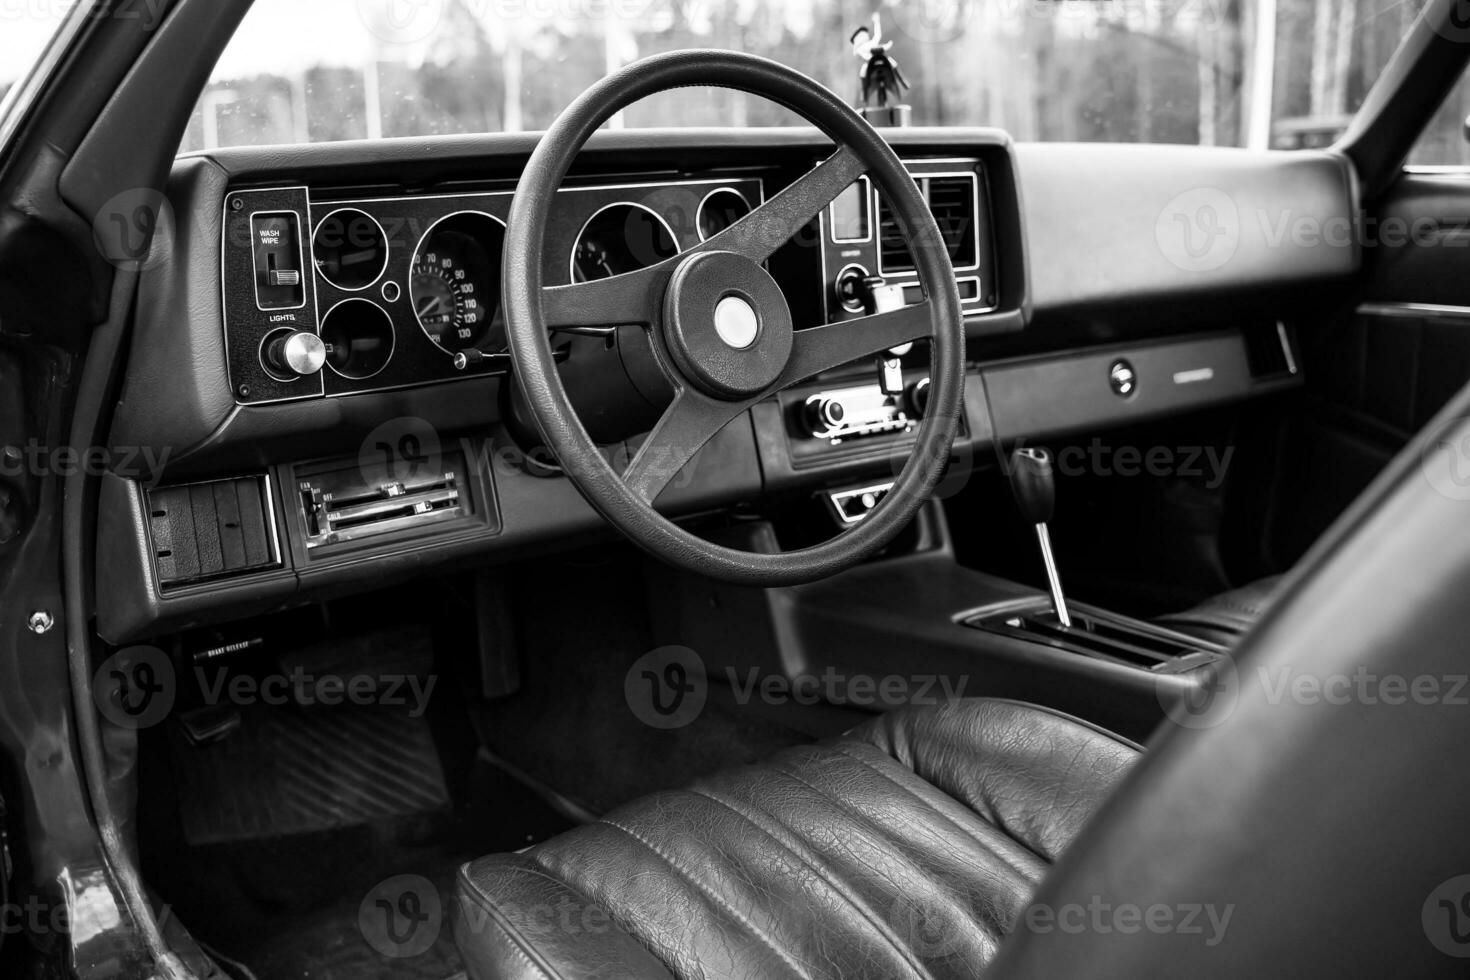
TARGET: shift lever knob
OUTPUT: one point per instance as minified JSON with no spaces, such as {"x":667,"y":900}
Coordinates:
{"x":1034,"y":484}
{"x":1035,"y":487}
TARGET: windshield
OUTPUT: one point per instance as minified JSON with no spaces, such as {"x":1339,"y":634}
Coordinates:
{"x":1221,"y":72}
{"x":25,"y":27}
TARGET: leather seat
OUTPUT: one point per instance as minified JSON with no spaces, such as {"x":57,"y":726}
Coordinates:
{"x":905,"y":848}
{"x":1225,"y":618}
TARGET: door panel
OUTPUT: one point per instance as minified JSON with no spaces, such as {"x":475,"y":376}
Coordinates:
{"x":1377,"y":372}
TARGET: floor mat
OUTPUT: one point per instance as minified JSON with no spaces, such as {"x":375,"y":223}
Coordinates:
{"x":286,"y":772}
{"x":333,"y":944}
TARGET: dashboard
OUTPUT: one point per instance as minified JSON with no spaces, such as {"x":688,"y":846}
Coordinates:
{"x":404,"y":290}
{"x":319,"y":399}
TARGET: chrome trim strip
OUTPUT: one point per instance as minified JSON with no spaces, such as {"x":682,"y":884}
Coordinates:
{"x":577,"y":241}
{"x":699,"y":211}
{"x":974,"y":179}
{"x":870,"y":217}
{"x":968,"y":308}
{"x":300,"y":261}
{"x":1413,"y":309}
{"x":387,"y":249}
{"x":303,"y":222}
{"x":392,"y":337}
{"x":1286,"y":350}
{"x":836,"y":498}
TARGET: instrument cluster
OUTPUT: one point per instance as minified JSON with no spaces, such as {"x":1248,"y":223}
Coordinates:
{"x":326,"y":297}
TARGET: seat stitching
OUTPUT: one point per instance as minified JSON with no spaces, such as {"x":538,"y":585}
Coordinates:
{"x":713,"y":896}
{"x":821,"y":872}
{"x":627,"y":923}
{"x":859,"y":815}
{"x":518,"y":942}
{"x":996,"y":823}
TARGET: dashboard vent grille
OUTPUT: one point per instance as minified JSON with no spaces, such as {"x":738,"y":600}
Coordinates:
{"x":952,"y":202}
{"x":211,"y":530}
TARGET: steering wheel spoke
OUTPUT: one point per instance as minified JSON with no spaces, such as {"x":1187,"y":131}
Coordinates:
{"x":823,"y":348}
{"x":628,"y":299}
{"x":777,"y":221}
{"x":687,"y":426}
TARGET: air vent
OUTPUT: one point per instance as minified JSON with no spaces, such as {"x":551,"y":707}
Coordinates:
{"x":952,"y":202}
{"x":345,"y":505}
{"x":213,"y":530}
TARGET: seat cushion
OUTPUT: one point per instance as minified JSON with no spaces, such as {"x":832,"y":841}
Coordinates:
{"x":905,"y":848}
{"x":1225,"y":618}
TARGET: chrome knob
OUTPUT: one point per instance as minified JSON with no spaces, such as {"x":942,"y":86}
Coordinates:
{"x":297,"y":353}
{"x":824,"y":414}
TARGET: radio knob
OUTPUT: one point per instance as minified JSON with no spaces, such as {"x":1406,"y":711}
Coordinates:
{"x":824,"y":413}
{"x":917,"y":398}
{"x":295,"y":354}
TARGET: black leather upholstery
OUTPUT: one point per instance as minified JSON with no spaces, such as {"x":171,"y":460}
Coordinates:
{"x":1225,"y":618}
{"x":906,"y":848}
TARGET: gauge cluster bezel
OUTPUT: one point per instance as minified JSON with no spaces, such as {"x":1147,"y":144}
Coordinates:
{"x":406,"y":221}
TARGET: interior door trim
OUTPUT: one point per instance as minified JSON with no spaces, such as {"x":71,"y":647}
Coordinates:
{"x":1413,"y":310}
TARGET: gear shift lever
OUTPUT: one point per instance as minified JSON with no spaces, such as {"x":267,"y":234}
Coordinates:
{"x":1034,"y":486}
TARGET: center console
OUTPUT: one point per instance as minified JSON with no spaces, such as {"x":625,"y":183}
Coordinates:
{"x":930,"y":628}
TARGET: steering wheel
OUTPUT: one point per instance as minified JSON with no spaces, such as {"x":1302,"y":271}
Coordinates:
{"x":719,"y":324}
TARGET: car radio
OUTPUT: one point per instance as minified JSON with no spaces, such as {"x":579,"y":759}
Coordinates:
{"x":863,"y":410}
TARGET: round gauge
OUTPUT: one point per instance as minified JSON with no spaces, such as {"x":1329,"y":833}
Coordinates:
{"x":721,"y":209}
{"x":455,"y":286}
{"x":350,"y":249}
{"x":621,"y":238}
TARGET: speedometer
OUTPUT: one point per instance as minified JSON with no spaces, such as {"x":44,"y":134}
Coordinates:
{"x":455,"y":287}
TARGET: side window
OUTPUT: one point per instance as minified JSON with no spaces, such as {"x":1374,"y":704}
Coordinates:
{"x":1443,"y":143}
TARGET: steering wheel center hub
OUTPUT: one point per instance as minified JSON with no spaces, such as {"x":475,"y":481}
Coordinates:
{"x":727,"y":325}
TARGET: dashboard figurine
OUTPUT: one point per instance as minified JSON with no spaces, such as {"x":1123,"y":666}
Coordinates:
{"x":880,"y":77}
